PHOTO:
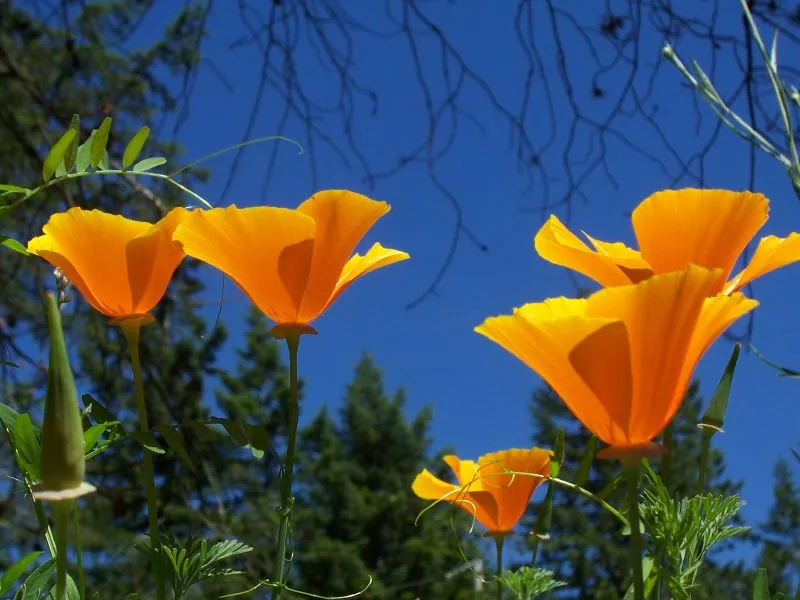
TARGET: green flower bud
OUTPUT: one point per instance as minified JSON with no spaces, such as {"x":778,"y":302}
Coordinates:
{"x":63,"y":463}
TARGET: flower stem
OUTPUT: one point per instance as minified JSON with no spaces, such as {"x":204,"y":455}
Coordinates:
{"x":632,"y":467}
{"x":498,"y":542}
{"x":79,"y":554}
{"x":131,"y":329}
{"x":292,"y":342}
{"x":61,"y":510}
{"x":704,"y":453}
{"x":666,"y":459}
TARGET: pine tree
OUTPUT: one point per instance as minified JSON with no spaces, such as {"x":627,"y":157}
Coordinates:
{"x":781,"y":534}
{"x":356,"y":512}
{"x":587,"y":548}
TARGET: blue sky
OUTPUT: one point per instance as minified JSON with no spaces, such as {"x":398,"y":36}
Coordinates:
{"x":481,"y":394}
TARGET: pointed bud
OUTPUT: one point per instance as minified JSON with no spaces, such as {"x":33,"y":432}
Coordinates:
{"x":63,"y":463}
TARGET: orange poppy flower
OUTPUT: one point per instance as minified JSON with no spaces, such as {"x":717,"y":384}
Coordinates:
{"x":120,"y":266}
{"x":291,"y":263}
{"x":673,"y":228}
{"x":621,"y":360}
{"x":496,"y":490}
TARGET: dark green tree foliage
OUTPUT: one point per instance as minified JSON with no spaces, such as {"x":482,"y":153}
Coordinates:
{"x":54,"y":64}
{"x":587,"y":549}
{"x":780,"y":533}
{"x":355,"y":510}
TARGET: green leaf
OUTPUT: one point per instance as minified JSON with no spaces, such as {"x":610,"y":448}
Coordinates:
{"x":13,"y":189}
{"x":38,"y":581}
{"x":761,"y":586}
{"x":147,"y":440}
{"x":72,"y":592}
{"x":98,"y":412}
{"x":8,"y":416}
{"x":56,"y":154}
{"x":586,"y":462}
{"x":203,"y":431}
{"x":72,"y":151}
{"x":16,"y":570}
{"x":84,"y":153}
{"x":28,"y":445}
{"x":784,"y":372}
{"x":175,"y":441}
{"x":234,"y":430}
{"x":558,"y":454}
{"x":103,"y":166}
{"x":99,"y":143}
{"x":148,"y":164}
{"x":134,"y":147}
{"x":714,"y":416}
{"x":14,"y":245}
{"x":92,"y":435}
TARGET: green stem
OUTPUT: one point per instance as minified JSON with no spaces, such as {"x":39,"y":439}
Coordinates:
{"x":666,"y":458}
{"x":632,"y":467}
{"x":127,"y":172}
{"x":704,"y":452}
{"x":293,"y":342}
{"x":61,"y":516}
{"x":131,"y":330}
{"x":498,"y":542}
{"x":79,"y":554}
{"x":41,"y":517}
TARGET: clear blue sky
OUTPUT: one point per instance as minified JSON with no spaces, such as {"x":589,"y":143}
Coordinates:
{"x":480,"y":393}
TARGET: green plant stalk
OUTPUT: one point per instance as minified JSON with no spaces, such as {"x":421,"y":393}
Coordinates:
{"x":292,"y":342}
{"x":704,"y":453}
{"x":131,"y":330}
{"x":37,"y":504}
{"x":68,"y":176}
{"x":498,"y":542}
{"x":61,"y":510}
{"x":632,"y":467}
{"x":666,"y":459}
{"x":79,"y":553}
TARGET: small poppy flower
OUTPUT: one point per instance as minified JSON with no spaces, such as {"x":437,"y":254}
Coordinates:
{"x":673,"y":228}
{"x":621,"y":360}
{"x":120,"y":266}
{"x":292,"y":263}
{"x":496,"y":490}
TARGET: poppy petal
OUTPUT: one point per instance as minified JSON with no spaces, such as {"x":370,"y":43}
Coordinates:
{"x":466,"y":471}
{"x":772,"y":253}
{"x":342,"y":219}
{"x":660,"y":315}
{"x":542,"y":335}
{"x":603,"y":360}
{"x":358,"y":266}
{"x":709,"y":228}
{"x":89,"y":246}
{"x":719,"y":313}
{"x":152,"y":259}
{"x":510,"y":476}
{"x":558,"y":245}
{"x":253,"y":246}
{"x":481,"y":505}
